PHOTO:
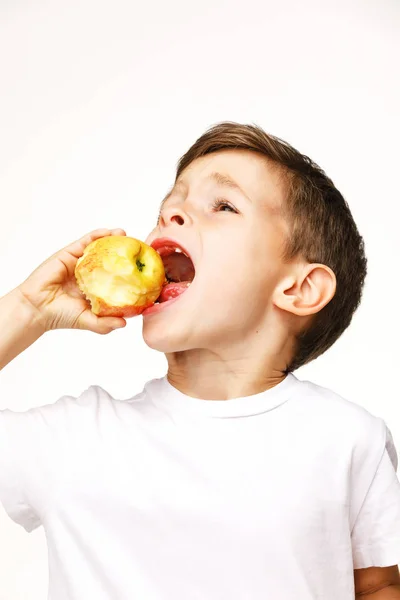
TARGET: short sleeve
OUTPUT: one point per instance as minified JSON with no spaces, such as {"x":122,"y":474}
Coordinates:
{"x":31,"y":459}
{"x":376,"y":533}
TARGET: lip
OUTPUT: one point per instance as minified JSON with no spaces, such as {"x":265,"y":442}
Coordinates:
{"x":156,"y":308}
{"x":170,"y":242}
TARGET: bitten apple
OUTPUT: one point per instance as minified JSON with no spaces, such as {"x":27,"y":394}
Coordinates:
{"x":120,"y":276}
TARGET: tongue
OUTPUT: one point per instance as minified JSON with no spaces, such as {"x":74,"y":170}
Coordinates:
{"x":172,"y":290}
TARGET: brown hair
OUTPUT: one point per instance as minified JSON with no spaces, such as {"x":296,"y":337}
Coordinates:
{"x":321,"y":228}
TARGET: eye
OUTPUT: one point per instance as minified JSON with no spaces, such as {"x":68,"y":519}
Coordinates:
{"x":218,"y":203}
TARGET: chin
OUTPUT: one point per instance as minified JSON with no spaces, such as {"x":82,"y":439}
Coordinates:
{"x":165,"y":339}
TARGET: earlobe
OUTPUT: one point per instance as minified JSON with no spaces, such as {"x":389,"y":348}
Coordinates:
{"x":308,"y":291}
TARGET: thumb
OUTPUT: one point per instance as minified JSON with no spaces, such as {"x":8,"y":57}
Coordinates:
{"x":103,"y":325}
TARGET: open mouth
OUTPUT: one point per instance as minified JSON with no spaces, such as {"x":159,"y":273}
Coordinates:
{"x":179,"y":268}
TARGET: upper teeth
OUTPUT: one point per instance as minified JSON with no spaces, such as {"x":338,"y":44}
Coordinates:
{"x":170,"y":249}
{"x":181,"y":252}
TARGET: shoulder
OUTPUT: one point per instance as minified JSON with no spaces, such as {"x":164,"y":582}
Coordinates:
{"x":328,"y":404}
{"x":68,"y":413}
{"x":347,"y":420}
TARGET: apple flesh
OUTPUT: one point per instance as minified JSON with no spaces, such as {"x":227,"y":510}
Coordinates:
{"x":120,"y":276}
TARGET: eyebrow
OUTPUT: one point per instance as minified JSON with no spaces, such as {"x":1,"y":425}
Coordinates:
{"x":219,"y":178}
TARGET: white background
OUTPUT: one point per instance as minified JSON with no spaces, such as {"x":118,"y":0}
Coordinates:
{"x":97,"y":103}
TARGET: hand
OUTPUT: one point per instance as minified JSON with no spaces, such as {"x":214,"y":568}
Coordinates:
{"x":52,"y":290}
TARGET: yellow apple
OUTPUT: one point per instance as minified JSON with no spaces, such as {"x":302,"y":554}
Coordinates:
{"x":120,"y":276}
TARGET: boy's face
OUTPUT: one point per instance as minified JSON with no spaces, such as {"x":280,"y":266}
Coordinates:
{"x":235,"y":250}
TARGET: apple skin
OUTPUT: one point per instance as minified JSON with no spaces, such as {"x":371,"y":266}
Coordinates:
{"x":120,"y":276}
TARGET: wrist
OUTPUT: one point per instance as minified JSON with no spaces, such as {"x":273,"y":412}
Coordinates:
{"x":26,"y":314}
{"x":20,"y":325}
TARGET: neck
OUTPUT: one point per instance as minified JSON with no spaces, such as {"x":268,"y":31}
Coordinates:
{"x":226,"y":373}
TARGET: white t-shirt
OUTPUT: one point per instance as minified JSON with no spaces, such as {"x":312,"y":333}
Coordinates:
{"x":167,"y":497}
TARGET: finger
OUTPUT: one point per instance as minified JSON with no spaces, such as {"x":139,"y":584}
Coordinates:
{"x":118,"y":232}
{"x":107,"y":324}
{"x":102,"y":325}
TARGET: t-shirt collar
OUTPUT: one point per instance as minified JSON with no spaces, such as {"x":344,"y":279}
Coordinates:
{"x":166,"y":396}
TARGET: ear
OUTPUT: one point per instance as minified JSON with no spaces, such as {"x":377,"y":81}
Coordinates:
{"x":306,"y":291}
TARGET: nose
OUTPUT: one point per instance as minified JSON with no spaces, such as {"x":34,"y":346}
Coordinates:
{"x":173,"y":214}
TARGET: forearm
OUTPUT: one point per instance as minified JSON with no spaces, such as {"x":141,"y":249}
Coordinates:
{"x":20,"y":326}
{"x":391,"y":592}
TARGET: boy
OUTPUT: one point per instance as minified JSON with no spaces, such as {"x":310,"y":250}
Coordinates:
{"x":229,"y":478}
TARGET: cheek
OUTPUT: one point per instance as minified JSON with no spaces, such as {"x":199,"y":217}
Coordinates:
{"x":225,"y":285}
{"x":243,"y":274}
{"x":233,"y":263}
{"x":227,"y":268}
{"x":150,"y":237}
